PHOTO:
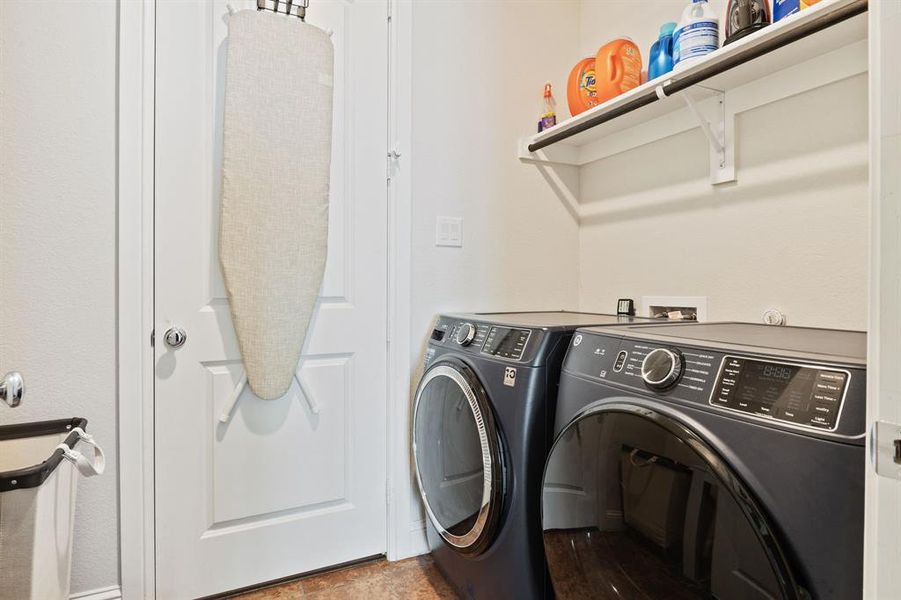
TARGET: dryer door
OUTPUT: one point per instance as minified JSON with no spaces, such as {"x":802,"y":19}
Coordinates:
{"x":636,"y":505}
{"x":457,"y":451}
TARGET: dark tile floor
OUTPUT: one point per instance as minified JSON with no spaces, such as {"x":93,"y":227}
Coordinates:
{"x":415,"y":578}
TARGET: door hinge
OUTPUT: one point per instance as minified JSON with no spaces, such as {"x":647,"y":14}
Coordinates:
{"x":885,"y":449}
{"x":393,"y":157}
{"x":152,"y":337}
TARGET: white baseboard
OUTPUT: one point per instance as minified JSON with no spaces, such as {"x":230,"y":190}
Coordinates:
{"x":419,"y":543}
{"x":413,"y":541}
{"x":113,"y":592}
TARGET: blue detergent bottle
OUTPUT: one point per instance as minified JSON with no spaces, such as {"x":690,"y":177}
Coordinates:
{"x":660,"y":60}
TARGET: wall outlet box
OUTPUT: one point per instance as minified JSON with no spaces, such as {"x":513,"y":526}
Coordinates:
{"x":678,"y":308}
{"x":449,"y":232}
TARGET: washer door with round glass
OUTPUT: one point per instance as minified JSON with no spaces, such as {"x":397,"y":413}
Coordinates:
{"x":458,"y":456}
{"x":636,"y":505}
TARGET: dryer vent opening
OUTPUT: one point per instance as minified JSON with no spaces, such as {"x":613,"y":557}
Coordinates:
{"x":635,"y":506}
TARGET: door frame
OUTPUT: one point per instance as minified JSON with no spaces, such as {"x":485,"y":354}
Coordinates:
{"x":134,"y":251}
{"x":882,"y":522}
{"x":135,"y":293}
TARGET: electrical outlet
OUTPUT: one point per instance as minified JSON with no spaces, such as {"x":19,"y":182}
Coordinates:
{"x":449,"y":232}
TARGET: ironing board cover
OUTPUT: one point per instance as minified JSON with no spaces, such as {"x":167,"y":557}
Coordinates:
{"x":275,"y":188}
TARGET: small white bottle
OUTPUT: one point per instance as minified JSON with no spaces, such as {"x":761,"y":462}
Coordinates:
{"x":697,"y":34}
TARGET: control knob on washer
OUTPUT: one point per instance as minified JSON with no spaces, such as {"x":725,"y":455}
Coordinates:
{"x":466,"y":333}
{"x":662,"y":368}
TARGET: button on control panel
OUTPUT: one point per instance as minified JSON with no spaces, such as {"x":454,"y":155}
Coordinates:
{"x":466,"y":332}
{"x":662,"y":368}
{"x":799,"y":394}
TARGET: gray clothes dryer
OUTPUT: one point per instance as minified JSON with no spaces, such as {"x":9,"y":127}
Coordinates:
{"x":482,"y":425}
{"x":720,"y":460}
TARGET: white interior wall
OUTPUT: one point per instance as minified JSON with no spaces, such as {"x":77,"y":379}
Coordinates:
{"x":478,"y":73}
{"x":58,"y":240}
{"x":781,"y":237}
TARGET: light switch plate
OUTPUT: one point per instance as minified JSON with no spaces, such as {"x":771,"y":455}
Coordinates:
{"x":449,"y":232}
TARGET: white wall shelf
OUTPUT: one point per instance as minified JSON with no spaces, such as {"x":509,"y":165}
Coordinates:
{"x":818,"y":46}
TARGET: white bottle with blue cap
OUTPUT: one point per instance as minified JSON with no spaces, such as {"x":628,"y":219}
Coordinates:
{"x":697,"y":34}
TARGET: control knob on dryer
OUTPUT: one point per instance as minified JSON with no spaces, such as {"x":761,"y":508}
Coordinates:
{"x":465,"y":334}
{"x":662,"y":368}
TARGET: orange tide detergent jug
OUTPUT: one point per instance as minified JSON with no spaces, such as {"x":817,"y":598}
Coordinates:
{"x":581,"y":88}
{"x":617,"y":68}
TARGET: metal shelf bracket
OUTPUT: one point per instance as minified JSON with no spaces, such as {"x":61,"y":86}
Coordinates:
{"x":720,"y":134}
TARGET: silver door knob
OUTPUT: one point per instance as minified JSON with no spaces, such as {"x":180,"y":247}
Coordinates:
{"x":176,"y":337}
{"x":12,"y":388}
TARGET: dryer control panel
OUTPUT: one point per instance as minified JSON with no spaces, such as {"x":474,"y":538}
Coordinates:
{"x":795,"y":393}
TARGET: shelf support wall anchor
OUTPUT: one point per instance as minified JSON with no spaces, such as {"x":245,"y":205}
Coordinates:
{"x":720,"y":134}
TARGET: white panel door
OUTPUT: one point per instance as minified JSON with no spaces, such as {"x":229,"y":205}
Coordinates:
{"x":278,"y":490}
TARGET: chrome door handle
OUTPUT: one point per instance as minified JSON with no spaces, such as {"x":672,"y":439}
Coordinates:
{"x":12,"y":388}
{"x":176,"y":337}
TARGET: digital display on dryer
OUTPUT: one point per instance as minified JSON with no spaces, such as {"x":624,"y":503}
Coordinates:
{"x":506,"y":342}
{"x":799,"y":394}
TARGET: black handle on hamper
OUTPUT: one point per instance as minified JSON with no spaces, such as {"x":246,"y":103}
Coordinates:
{"x":32,"y":477}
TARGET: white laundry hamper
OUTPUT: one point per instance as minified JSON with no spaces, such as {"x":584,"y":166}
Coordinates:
{"x":38,"y":479}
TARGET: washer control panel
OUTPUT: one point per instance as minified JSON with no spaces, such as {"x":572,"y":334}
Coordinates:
{"x":515,"y":344}
{"x":793,"y":393}
{"x":506,"y":342}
